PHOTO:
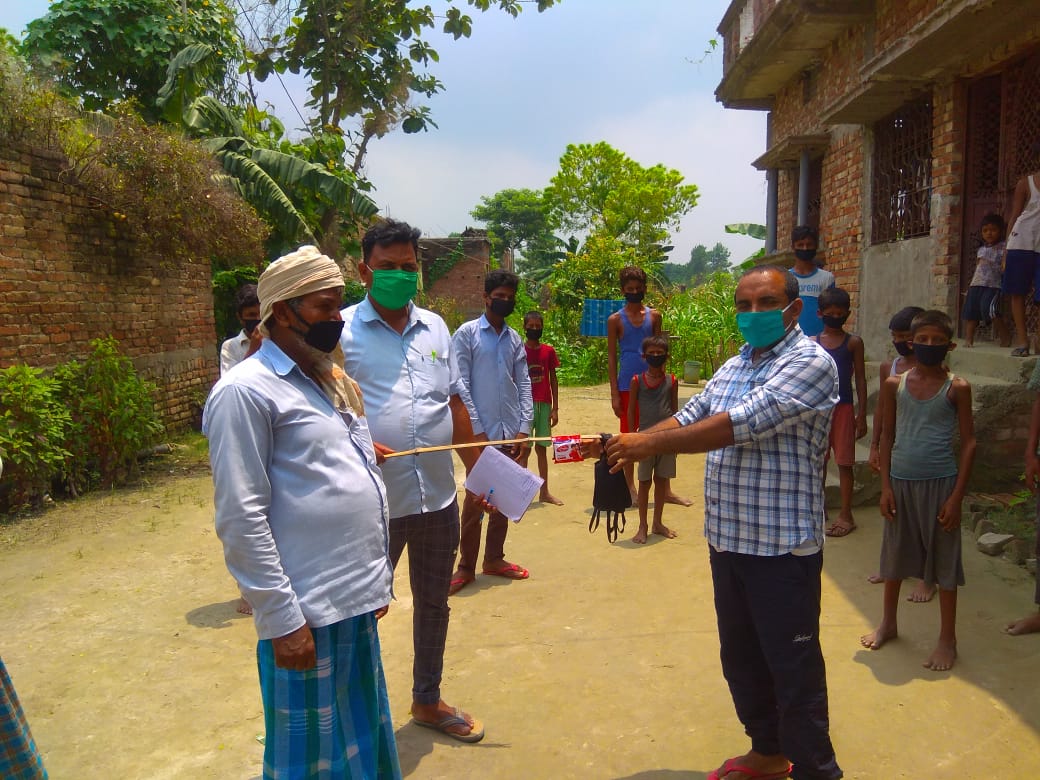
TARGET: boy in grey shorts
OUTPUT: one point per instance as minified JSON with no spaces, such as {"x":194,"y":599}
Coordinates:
{"x":923,"y":482}
{"x":653,"y":395}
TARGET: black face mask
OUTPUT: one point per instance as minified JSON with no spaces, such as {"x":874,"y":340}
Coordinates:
{"x":502,"y":307}
{"x":635,"y":297}
{"x":834,"y":322}
{"x":534,"y":334}
{"x":323,"y":335}
{"x":656,"y":360}
{"x":931,"y":354}
{"x":903,"y":348}
{"x":805,"y":255}
{"x":249,"y":326}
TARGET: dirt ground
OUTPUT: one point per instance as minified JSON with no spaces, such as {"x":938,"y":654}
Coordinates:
{"x":123,"y":642}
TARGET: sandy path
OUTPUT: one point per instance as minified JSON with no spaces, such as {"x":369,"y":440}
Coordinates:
{"x":122,"y":639}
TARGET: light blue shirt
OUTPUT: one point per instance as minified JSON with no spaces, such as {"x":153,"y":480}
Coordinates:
{"x":300,"y":505}
{"x":493,"y":368}
{"x":407,"y":379}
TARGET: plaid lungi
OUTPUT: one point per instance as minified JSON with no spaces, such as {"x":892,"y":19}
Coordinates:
{"x":331,"y":722}
{"x":19,"y":758}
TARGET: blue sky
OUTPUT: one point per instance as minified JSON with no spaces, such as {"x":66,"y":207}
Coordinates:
{"x":519,"y":90}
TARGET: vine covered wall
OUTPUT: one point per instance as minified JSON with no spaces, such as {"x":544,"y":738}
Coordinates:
{"x":71,"y":272}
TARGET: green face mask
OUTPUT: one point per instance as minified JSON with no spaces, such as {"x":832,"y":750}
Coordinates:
{"x":393,"y":289}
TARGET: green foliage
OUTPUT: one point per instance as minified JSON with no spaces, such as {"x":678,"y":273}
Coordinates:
{"x":113,"y":416}
{"x":366,"y":59}
{"x":592,"y":273}
{"x":294,"y":186}
{"x":225,"y":287}
{"x":601,"y":190}
{"x":703,"y":263}
{"x":748,"y":229}
{"x":159,"y":188}
{"x":446,"y":307}
{"x":33,"y":424}
{"x":83,"y":425}
{"x":106,"y":51}
{"x":515,"y":219}
{"x":704,"y":320}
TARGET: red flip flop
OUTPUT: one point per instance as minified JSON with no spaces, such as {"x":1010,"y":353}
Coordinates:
{"x":458,"y":582}
{"x":510,"y":572}
{"x":731,"y":765}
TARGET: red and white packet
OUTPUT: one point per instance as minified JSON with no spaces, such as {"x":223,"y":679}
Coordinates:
{"x":567,"y":449}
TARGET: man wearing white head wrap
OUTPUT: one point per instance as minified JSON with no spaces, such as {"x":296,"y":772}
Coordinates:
{"x":302,"y":513}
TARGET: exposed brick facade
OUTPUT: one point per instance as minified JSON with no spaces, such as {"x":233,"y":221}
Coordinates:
{"x":464,"y":282}
{"x":69,"y":273}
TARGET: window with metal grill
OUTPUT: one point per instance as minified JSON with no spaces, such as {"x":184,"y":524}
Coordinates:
{"x":902,"y":173}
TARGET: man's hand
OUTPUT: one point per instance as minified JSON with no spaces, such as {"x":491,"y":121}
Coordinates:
{"x":482,"y":500}
{"x":381,"y":452}
{"x":861,"y":427}
{"x":554,"y":418}
{"x":888,"y":504}
{"x":950,"y":515}
{"x":615,"y":403}
{"x":521,"y":449}
{"x":627,"y":448}
{"x":1032,"y":473}
{"x":295,"y":650}
{"x":381,"y":612}
{"x":874,"y":459}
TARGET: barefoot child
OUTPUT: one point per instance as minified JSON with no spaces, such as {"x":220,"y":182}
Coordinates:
{"x":922,"y":483}
{"x":1031,"y":623}
{"x":848,"y":423}
{"x":899,"y":327}
{"x":653,"y":396}
{"x":541,"y":365}
{"x":983,"y":296}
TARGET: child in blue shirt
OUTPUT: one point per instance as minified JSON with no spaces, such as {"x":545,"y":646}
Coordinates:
{"x":812,"y":280}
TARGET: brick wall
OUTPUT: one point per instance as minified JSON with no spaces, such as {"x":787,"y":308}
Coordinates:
{"x":949,"y":112}
{"x":841,"y":209}
{"x":69,"y":273}
{"x":464,"y":283}
{"x":896,"y":17}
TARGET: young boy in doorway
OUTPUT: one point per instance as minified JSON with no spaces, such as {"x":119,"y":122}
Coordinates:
{"x":812,"y":280}
{"x":983,"y":296}
{"x":626,"y":330}
{"x":848,"y":422}
{"x":545,"y":392}
{"x":923,"y":482}
{"x":653,"y":395}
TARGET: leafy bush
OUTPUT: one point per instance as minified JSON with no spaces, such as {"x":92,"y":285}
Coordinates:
{"x":33,"y":425}
{"x":704,"y":320}
{"x":113,"y":416}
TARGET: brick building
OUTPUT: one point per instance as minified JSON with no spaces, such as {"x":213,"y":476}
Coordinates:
{"x":894,"y":126}
{"x":453,"y":271}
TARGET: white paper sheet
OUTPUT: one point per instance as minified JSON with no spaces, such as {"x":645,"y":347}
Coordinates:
{"x":504,"y":482}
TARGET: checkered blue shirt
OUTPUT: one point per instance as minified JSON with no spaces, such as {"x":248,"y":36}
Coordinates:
{"x":763,"y":495}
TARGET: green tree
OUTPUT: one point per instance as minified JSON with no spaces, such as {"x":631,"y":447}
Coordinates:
{"x":516,"y":220}
{"x":104,"y":51}
{"x":591,"y":273}
{"x":599,"y":189}
{"x":703,"y":263}
{"x":292,"y":185}
{"x":366,"y":59}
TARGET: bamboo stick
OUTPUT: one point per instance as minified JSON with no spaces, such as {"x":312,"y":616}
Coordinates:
{"x":465,"y":445}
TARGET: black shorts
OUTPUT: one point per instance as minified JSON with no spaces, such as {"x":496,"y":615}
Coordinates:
{"x":982,"y":304}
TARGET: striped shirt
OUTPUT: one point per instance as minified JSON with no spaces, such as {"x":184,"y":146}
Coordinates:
{"x":763,"y":495}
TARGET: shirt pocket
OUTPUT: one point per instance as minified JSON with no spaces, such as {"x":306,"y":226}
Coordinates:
{"x":431,"y":375}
